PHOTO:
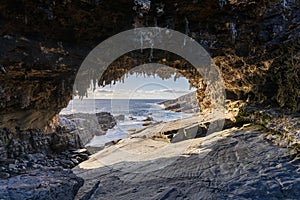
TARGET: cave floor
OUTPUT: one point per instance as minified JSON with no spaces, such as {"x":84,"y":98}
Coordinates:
{"x":237,"y":163}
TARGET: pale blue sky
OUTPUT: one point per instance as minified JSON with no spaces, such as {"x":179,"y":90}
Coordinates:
{"x":140,"y":87}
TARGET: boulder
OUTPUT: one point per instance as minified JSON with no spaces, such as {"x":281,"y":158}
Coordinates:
{"x":120,"y":117}
{"x":148,"y":118}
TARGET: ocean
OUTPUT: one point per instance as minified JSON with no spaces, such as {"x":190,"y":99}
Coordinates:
{"x":136,"y":108}
{"x":134,"y":112}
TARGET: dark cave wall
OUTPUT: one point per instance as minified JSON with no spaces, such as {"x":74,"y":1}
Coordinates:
{"x":255,"y":44}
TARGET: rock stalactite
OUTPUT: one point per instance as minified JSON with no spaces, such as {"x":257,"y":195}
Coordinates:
{"x":255,"y":44}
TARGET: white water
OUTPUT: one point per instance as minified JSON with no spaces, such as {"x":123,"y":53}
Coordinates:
{"x":135,"y":112}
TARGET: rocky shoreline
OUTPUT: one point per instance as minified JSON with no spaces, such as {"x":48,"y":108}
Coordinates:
{"x":62,"y":166}
{"x":257,"y":148}
{"x":45,"y":160}
{"x":243,"y":161}
{"x":86,"y":126}
{"x":187,"y":103}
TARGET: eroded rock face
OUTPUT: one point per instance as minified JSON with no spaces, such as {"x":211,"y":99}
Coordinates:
{"x":74,"y":131}
{"x":86,"y":126}
{"x":255,"y":44}
{"x":15,"y":144}
{"x":187,"y":103}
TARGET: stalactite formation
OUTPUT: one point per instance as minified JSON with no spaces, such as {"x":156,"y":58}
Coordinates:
{"x":255,"y":44}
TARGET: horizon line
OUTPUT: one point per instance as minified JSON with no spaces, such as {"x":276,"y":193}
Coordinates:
{"x":120,"y":99}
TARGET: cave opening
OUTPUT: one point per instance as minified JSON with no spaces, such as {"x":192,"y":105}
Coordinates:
{"x":103,"y":109}
{"x":137,"y":99}
{"x":136,"y":84}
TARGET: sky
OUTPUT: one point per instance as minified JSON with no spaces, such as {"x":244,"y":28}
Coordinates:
{"x":140,"y":87}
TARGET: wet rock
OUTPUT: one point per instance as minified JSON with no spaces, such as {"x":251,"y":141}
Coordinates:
{"x":106,"y":120}
{"x":132,"y":118}
{"x":84,"y":156}
{"x":35,"y":141}
{"x":4,"y":175}
{"x":41,"y":184}
{"x":75,"y":161}
{"x":146,"y":123}
{"x":28,"y":162}
{"x":187,"y":103}
{"x":120,"y":117}
{"x":67,"y":124}
{"x":67,"y":163}
{"x":86,"y":126}
{"x":148,"y":118}
{"x":12,"y":166}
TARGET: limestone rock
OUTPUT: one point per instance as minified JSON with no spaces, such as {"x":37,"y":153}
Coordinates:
{"x":86,"y":126}
{"x":230,"y":164}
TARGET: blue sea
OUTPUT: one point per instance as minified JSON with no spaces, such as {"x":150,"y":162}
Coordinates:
{"x":135,"y":111}
{"x":136,"y":108}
